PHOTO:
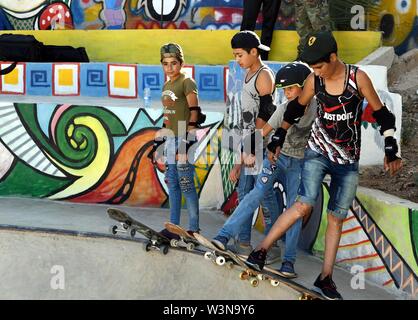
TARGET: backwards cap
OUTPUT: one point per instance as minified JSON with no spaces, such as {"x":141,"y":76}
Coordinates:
{"x":247,"y":39}
{"x":171,"y":50}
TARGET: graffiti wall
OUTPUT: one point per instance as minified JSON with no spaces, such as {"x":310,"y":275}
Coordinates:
{"x":397,"y":19}
{"x":379,"y":239}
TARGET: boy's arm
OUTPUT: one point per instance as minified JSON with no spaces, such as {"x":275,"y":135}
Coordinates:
{"x":385,"y":119}
{"x":265,"y":88}
{"x":295,"y":109}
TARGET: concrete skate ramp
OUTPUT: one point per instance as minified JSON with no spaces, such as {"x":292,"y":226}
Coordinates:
{"x":34,"y":262}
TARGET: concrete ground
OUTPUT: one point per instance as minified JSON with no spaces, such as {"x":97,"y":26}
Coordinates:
{"x":40,"y":238}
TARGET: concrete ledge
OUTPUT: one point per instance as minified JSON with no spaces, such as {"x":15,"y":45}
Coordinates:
{"x":402,"y":65}
{"x":383,"y":56}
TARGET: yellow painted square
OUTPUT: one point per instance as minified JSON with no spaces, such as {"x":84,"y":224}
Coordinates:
{"x":121,"y":79}
{"x":65,"y":77}
{"x":12,"y":78}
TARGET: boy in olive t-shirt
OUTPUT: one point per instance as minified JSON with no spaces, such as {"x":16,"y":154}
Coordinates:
{"x":181,"y":118}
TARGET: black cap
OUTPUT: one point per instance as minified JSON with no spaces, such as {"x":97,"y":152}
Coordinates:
{"x":247,"y":39}
{"x":317,"y":46}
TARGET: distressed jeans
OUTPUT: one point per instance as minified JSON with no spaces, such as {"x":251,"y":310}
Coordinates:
{"x":180,"y":181}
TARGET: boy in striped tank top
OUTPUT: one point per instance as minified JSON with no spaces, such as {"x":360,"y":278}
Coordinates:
{"x":255,"y":110}
{"x":333,"y":147}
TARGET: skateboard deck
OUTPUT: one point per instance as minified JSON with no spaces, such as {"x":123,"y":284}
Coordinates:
{"x":186,"y":240}
{"x":254,"y":276}
{"x":129,"y":225}
{"x":217,"y":256}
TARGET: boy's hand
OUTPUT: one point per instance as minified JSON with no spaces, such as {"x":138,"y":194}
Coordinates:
{"x":249,"y":160}
{"x":272,"y":157}
{"x":235,"y":173}
{"x":393,"y":167}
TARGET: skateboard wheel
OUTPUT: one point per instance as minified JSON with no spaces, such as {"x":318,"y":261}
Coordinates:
{"x":174,"y":242}
{"x":220,"y":261}
{"x":208,"y":255}
{"x":274,"y":283}
{"x":114,"y":229}
{"x":254,"y":282}
{"x":147,"y":246}
{"x":229,"y":264}
{"x":190,"y":246}
{"x":243,"y":275}
{"x":132,"y":233}
{"x":165,"y":249}
{"x":125,"y":226}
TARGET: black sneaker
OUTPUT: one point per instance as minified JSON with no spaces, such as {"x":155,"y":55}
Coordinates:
{"x":169,"y":235}
{"x":257,"y":259}
{"x":327,"y":288}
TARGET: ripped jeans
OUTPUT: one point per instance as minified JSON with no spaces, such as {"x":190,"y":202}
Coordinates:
{"x":180,"y":180}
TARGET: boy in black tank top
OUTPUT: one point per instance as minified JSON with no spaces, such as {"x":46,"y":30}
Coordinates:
{"x":333,"y":147}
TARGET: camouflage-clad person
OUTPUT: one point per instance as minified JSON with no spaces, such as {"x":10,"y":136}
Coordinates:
{"x":311,"y":16}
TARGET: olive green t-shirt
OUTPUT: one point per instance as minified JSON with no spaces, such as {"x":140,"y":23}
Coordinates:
{"x":175,"y":103}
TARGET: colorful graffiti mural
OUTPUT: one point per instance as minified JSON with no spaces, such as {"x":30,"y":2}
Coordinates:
{"x":397,"y":19}
{"x":378,"y":238}
{"x":88,"y":153}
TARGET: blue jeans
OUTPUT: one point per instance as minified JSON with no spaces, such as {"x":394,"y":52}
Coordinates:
{"x":289,"y":173}
{"x":240,"y":221}
{"x":342,"y":190}
{"x":180,"y":180}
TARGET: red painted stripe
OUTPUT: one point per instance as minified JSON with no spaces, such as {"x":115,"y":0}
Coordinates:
{"x":374,"y":269}
{"x":348,"y":219}
{"x":388,"y":282}
{"x":351,"y":230}
{"x":359,"y":258}
{"x":354,"y":244}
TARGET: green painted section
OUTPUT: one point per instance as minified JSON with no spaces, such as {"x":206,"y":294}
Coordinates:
{"x":25,"y":181}
{"x":414,"y":231}
{"x":76,"y":144}
{"x":393,"y":220}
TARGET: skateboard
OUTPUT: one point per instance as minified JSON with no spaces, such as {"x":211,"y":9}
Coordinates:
{"x":252,"y":275}
{"x":226,"y":257}
{"x":129,"y":225}
{"x":186,"y":240}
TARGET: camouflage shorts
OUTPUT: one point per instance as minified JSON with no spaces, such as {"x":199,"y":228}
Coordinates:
{"x":311,"y":16}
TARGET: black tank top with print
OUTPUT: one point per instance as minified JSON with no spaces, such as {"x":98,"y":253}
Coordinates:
{"x":336,"y":132}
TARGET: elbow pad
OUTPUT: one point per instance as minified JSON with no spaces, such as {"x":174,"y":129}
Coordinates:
{"x":294,"y":111}
{"x":201,"y":117}
{"x":385,"y":119}
{"x":267,"y":107}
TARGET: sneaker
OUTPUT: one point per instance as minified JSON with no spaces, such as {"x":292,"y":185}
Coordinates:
{"x":169,"y":234}
{"x":242,"y":249}
{"x":327,"y":288}
{"x":287,"y":270}
{"x":274,"y":255}
{"x":256,"y":259}
{"x":220,"y":242}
